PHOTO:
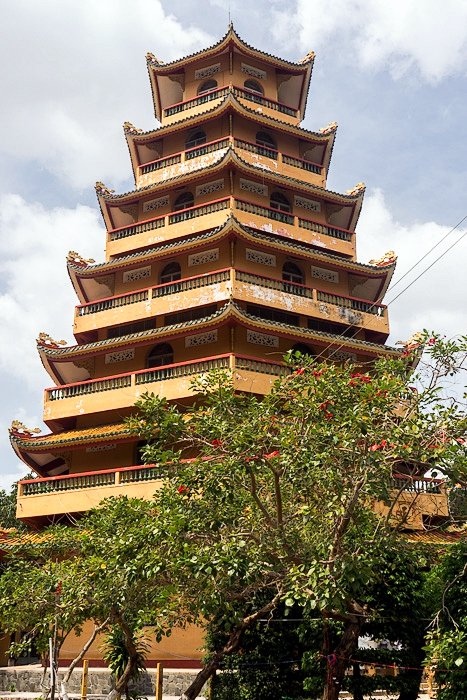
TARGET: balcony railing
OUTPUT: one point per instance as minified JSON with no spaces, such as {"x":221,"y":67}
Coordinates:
{"x":333,"y":231}
{"x":269,"y":213}
{"x":303,"y":164}
{"x":136,"y":228}
{"x":113,"y":302}
{"x":222,"y":204}
{"x":200,"y":210}
{"x":161,"y":163}
{"x":191,"y":283}
{"x":271,"y":283}
{"x":368,"y":307}
{"x":256,"y":148}
{"x":206,"y":148}
{"x":417,"y":484}
{"x":221,"y":92}
{"x":159,"y":374}
{"x":89,"y":480}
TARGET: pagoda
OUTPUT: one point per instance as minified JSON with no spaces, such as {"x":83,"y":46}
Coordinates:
{"x":229,"y":252}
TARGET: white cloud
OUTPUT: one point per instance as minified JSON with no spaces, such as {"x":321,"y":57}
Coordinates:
{"x":394,"y":36}
{"x":36,"y":292}
{"x":435,"y":301}
{"x":74,"y":72}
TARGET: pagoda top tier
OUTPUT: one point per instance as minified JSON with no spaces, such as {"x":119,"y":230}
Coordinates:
{"x":190,"y":82}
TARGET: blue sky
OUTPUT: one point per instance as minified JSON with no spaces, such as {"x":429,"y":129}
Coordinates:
{"x":393,"y":75}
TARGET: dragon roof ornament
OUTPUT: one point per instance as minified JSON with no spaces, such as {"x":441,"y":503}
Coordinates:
{"x":77,"y":259}
{"x":152,"y":59}
{"x":309,"y":57}
{"x":45,"y":340}
{"x":359,"y":187}
{"x":102,"y":189}
{"x":332,"y":126}
{"x":414,"y":342}
{"x":388,"y":259}
{"x":19,"y":429}
{"x":128,"y":128}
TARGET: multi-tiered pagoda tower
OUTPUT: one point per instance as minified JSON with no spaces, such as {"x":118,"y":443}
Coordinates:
{"x":229,"y":251}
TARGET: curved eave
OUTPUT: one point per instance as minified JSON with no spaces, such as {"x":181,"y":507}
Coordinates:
{"x":230,"y":157}
{"x":80,"y":274}
{"x":43,"y":452}
{"x":54,"y":357}
{"x":229,"y":104}
{"x":230,"y":41}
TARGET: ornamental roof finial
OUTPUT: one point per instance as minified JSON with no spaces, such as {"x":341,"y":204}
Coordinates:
{"x":151,"y":58}
{"x":48,"y":342}
{"x":332,"y":126}
{"x":77,"y":259}
{"x":413,"y":342}
{"x":18,"y":428}
{"x":359,"y":187}
{"x":388,"y":259}
{"x":102,"y":189}
{"x":309,"y":57}
{"x":128,"y":128}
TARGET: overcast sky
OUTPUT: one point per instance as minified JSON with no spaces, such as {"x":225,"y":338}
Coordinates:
{"x":392,"y":74}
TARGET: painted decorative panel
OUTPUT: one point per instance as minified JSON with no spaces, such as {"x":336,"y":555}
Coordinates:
{"x":271,"y":341}
{"x":209,"y":187}
{"x":100,"y":448}
{"x":208,"y":71}
{"x":205,"y":256}
{"x":342,"y":356}
{"x":258,"y":256}
{"x":306,"y":203}
{"x":254,"y":72}
{"x":201,"y":339}
{"x":255,"y":187}
{"x":156,"y":203}
{"x":119,"y":356}
{"x":140,"y":273}
{"x":321,"y":273}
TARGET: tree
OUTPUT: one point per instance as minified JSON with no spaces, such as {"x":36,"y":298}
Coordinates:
{"x":105,"y":569}
{"x":275,"y":498}
{"x":8,"y":507}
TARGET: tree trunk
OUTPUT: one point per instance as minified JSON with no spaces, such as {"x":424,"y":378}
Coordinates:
{"x":339,"y":659}
{"x":122,"y":683}
{"x":232,"y":645}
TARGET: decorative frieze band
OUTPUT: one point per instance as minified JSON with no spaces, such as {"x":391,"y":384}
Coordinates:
{"x":208,"y":71}
{"x":210,"y":187}
{"x":156,"y":203}
{"x":271,"y":341}
{"x":100,"y":448}
{"x":205,"y":256}
{"x":140,"y":273}
{"x":119,"y":356}
{"x":201,"y":339}
{"x":255,"y":187}
{"x":254,"y":72}
{"x":306,"y":203}
{"x":321,"y":273}
{"x":342,"y":356}
{"x":258,"y":256}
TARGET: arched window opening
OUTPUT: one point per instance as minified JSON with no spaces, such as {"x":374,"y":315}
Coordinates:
{"x":207,"y":86}
{"x":303,"y":349}
{"x":263,"y":139}
{"x":184,"y":201}
{"x":160,"y":355}
{"x":292,"y":273}
{"x":197,"y":138}
{"x":253,"y":86}
{"x":170,"y":273}
{"x":139,"y":451}
{"x":280,"y":202}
